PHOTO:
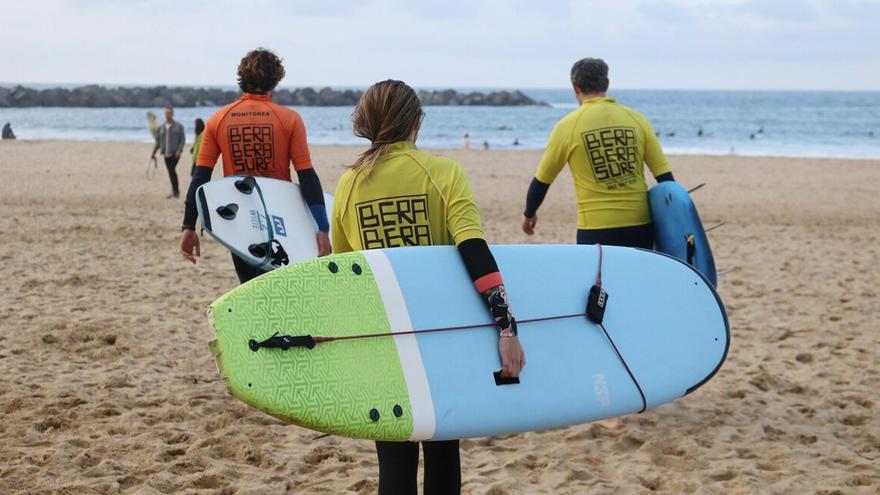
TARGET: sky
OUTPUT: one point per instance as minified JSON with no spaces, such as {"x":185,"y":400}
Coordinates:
{"x":648,"y":44}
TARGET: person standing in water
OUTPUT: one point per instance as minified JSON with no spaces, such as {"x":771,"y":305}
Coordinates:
{"x":606,"y":146}
{"x":170,"y":140}
{"x":197,"y":143}
{"x":434,"y":198}
{"x":259,"y":138}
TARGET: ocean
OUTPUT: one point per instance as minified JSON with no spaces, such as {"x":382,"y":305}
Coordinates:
{"x":772,"y":123}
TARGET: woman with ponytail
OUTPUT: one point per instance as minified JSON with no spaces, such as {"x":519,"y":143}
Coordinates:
{"x":396,"y":195}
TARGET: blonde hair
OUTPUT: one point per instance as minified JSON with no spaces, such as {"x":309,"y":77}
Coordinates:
{"x":388,"y":111}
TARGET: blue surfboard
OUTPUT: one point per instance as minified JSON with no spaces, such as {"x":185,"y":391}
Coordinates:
{"x":678,"y":230}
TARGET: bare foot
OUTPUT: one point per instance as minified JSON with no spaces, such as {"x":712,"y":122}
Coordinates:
{"x":611,"y":424}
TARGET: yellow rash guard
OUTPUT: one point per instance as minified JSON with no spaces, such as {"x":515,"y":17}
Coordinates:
{"x":407,"y":198}
{"x":606,"y":146}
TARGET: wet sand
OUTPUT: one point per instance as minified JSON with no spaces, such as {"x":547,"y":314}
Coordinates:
{"x":108,"y":387}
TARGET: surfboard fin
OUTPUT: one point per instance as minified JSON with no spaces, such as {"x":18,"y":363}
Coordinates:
{"x":246,"y":185}
{"x":227,"y":212}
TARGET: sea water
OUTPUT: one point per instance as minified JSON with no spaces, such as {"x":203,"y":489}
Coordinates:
{"x":784,"y":123}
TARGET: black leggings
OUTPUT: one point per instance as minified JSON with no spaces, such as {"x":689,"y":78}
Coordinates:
{"x":171,"y":165}
{"x":399,"y":464}
{"x":640,"y":236}
{"x":244,"y":271}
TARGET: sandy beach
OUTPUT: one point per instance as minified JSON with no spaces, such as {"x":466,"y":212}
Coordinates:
{"x":108,"y":386}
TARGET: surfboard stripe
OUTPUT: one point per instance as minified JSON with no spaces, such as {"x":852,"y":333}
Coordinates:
{"x":407,"y":345}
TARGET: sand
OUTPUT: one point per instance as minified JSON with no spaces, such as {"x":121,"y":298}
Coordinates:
{"x":108,"y":387}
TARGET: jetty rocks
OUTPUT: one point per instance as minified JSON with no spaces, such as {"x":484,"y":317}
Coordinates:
{"x":94,"y":96}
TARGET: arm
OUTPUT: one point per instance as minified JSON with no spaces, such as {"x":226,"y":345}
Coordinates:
{"x":463,"y":222}
{"x":207,"y":157}
{"x":309,"y":183}
{"x":554,"y":159}
{"x":182,"y":144}
{"x":667,"y":177}
{"x":484,"y":273}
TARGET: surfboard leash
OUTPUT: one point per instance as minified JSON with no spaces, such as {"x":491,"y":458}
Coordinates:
{"x":285,"y":342}
{"x":596,"y":303}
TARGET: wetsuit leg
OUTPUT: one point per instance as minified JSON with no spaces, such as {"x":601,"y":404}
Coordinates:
{"x":398,"y":467}
{"x":442,"y":468}
{"x":640,"y":236}
{"x":244,"y":271}
{"x":171,"y":165}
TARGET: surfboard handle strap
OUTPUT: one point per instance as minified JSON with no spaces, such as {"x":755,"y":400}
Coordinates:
{"x":691,"y":243}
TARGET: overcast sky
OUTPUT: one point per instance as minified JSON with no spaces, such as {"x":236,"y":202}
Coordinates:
{"x":687,"y":44}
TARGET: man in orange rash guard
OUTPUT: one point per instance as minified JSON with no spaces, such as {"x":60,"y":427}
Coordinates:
{"x":257,"y":138}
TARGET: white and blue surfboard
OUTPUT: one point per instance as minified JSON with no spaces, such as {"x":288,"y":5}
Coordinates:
{"x":266,"y":222}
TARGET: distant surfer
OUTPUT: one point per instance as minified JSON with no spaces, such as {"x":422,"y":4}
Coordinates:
{"x":268,"y":137}
{"x":397,"y":195}
{"x":466,"y":142}
{"x":170,"y":140}
{"x":516,"y":141}
{"x":197,"y":143}
{"x":485,"y":145}
{"x":7,"y":131}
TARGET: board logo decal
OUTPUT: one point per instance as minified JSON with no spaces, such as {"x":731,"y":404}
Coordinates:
{"x":394,"y":222}
{"x":600,"y":388}
{"x":257,"y":222}
{"x":613,"y":155}
{"x":250,"y":147}
{"x":278,"y":226}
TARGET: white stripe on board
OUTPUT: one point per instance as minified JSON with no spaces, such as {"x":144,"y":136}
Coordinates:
{"x":407,"y":345}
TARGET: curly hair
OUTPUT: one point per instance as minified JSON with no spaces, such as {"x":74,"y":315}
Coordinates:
{"x":259,"y":71}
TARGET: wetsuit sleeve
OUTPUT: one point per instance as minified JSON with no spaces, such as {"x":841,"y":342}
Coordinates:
{"x":299,"y":148}
{"x":338,"y":240}
{"x":654,"y":156}
{"x":667,"y":177}
{"x":310,"y":186}
{"x":209,"y":149}
{"x":535,"y":196}
{"x":555,"y":155}
{"x":462,"y":215}
{"x":201,"y":176}
{"x":483,"y":270}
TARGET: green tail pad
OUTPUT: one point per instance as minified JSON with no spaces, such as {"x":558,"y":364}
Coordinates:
{"x":333,"y":387}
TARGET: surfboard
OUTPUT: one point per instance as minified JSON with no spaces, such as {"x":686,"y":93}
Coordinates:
{"x":266,"y":222}
{"x":678,"y":230}
{"x":373,"y":379}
